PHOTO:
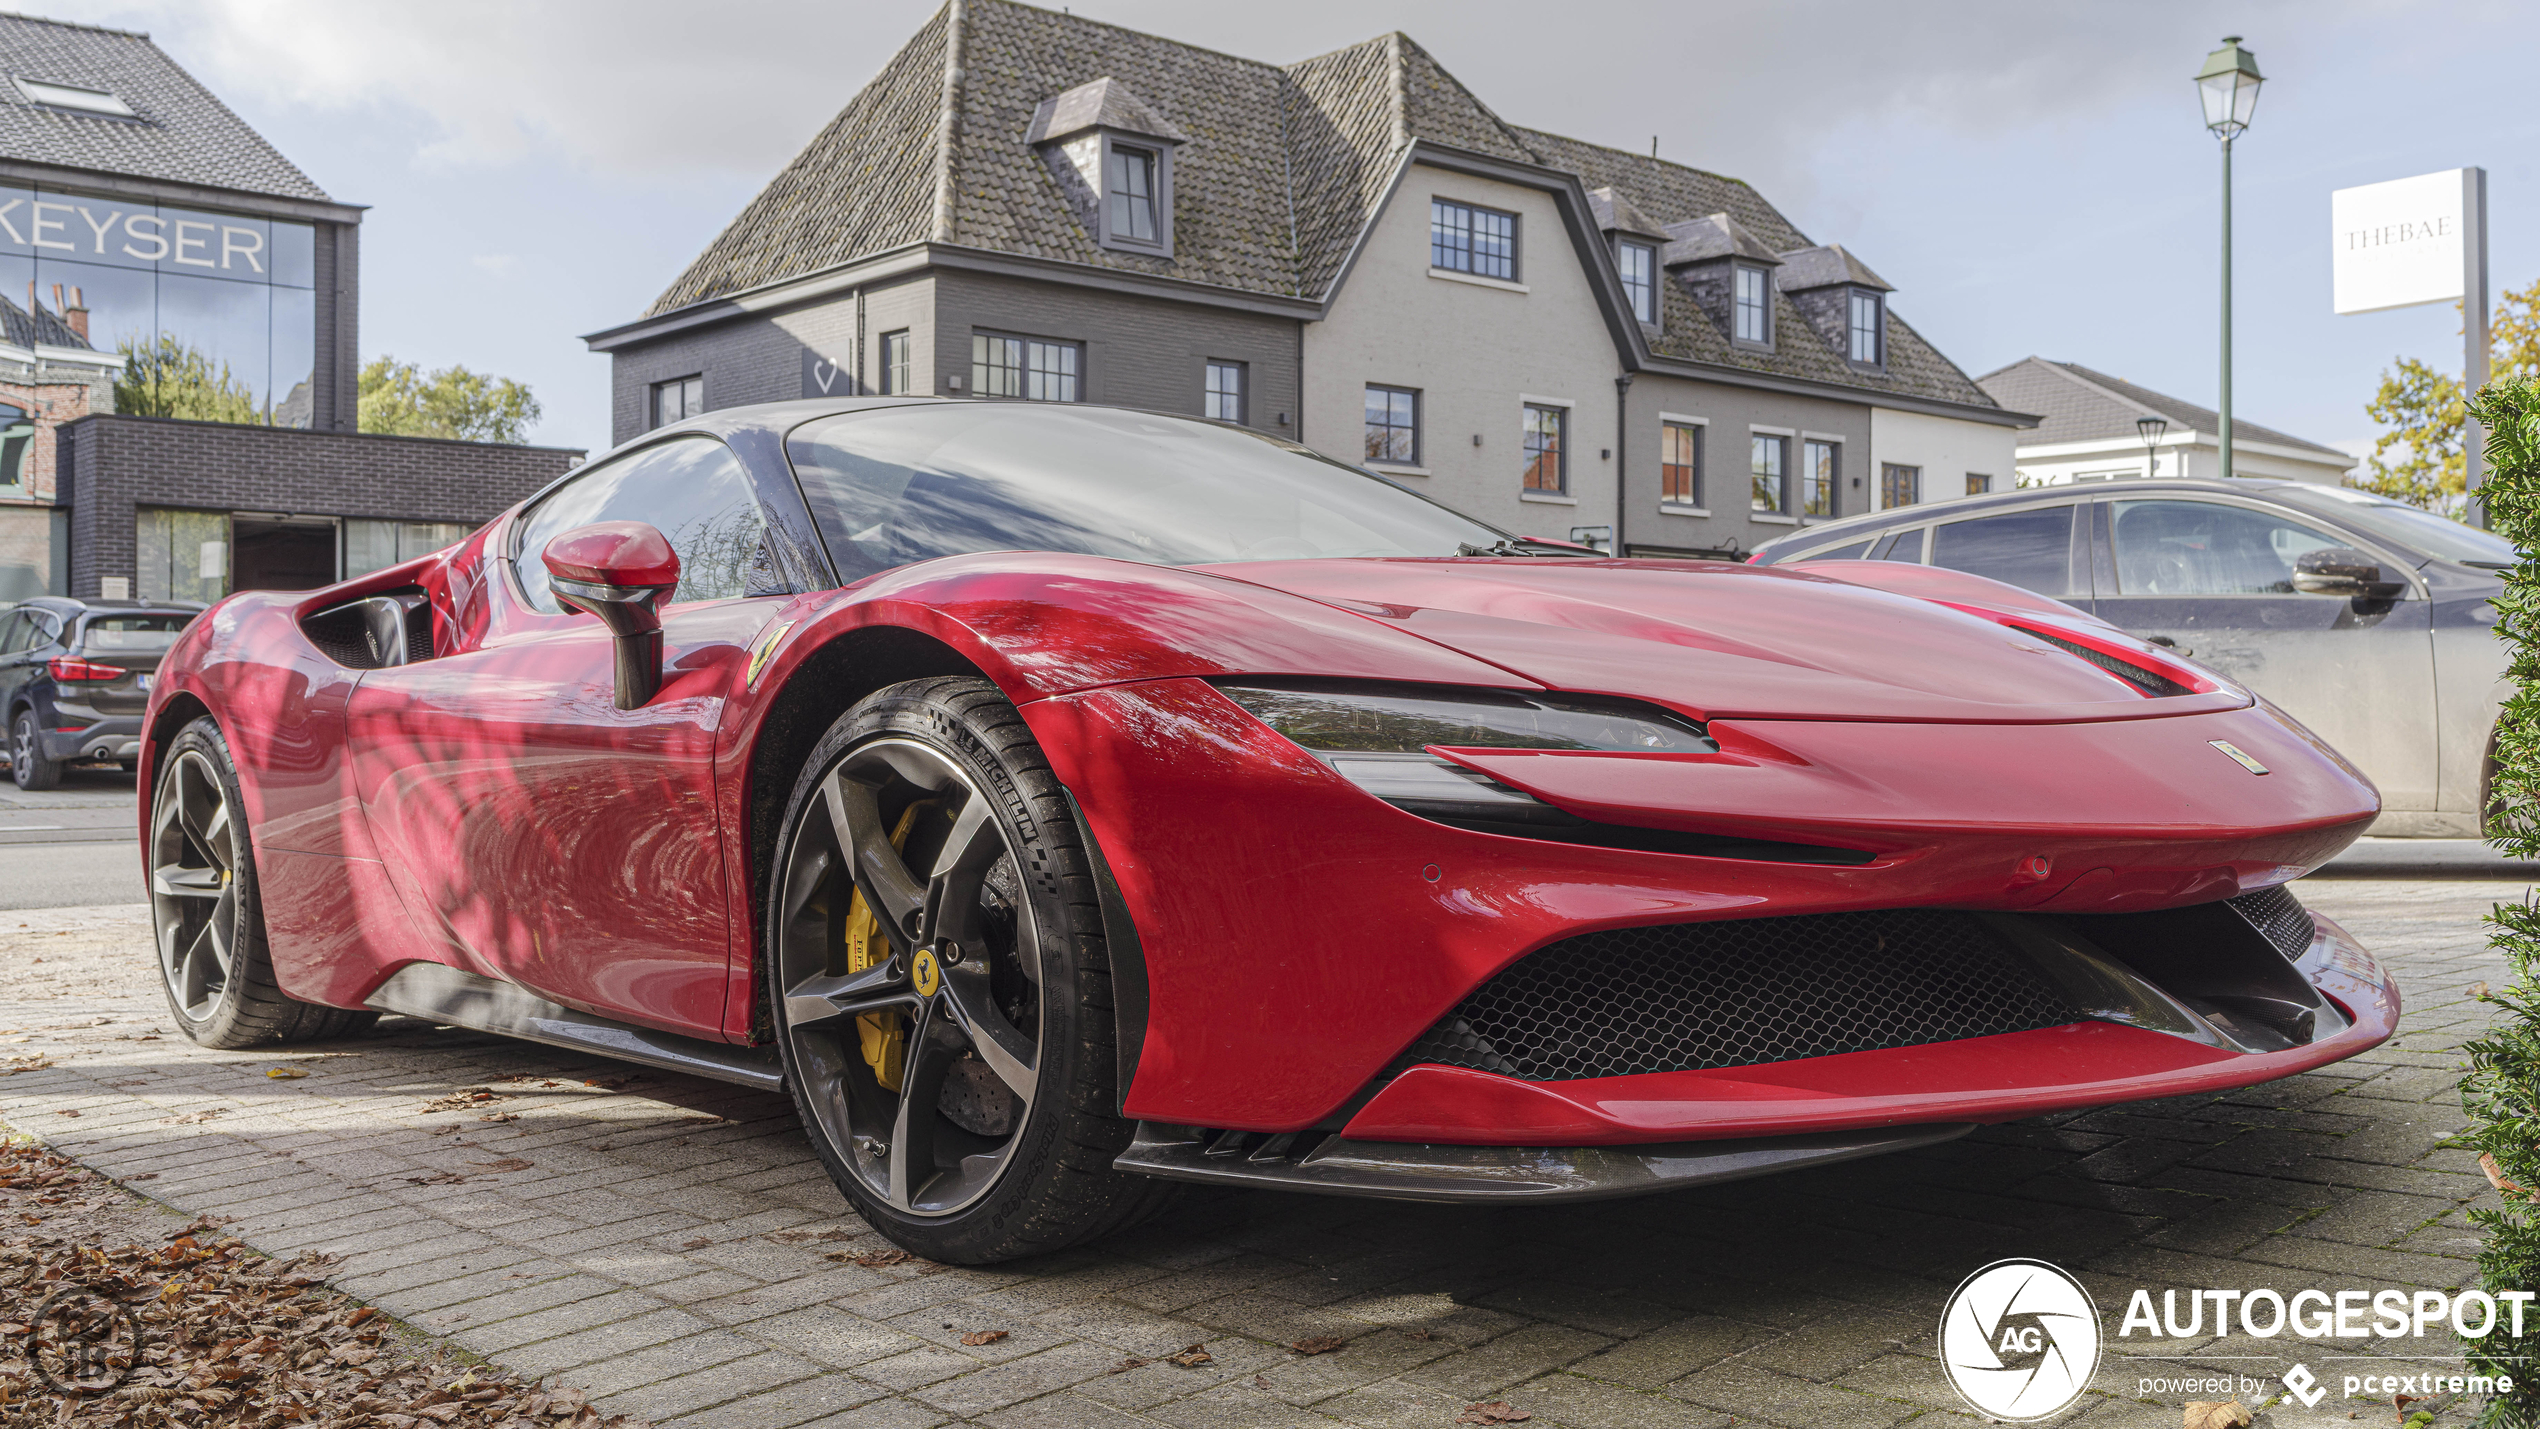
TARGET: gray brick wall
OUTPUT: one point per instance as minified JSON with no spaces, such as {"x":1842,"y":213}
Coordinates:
{"x":1139,"y":352}
{"x":1726,"y":477}
{"x":336,"y":402}
{"x":113,"y":464}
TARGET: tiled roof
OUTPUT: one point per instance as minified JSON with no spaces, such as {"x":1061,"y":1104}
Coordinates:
{"x":1827,"y":267}
{"x":2080,"y":405}
{"x":21,"y":328}
{"x":1281,"y":172}
{"x":179,"y":132}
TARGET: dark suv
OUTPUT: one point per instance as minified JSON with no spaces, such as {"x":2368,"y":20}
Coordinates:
{"x":75,"y":678}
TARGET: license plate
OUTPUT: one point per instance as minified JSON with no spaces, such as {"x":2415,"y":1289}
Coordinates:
{"x":145,"y":684}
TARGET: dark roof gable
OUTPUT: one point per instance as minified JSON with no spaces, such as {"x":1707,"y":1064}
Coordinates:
{"x":2080,"y":405}
{"x":179,"y":132}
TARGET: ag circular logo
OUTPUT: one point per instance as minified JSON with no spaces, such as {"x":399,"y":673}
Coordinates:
{"x":2020,"y":1339}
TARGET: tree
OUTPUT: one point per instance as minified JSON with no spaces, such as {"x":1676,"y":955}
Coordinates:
{"x":2418,"y":459}
{"x":171,"y":378}
{"x":399,"y":399}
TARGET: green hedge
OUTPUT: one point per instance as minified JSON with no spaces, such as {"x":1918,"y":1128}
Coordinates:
{"x":2502,"y":1091}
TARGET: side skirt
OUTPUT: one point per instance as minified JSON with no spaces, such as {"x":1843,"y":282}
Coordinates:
{"x":445,"y":994}
{"x":1401,"y":1171}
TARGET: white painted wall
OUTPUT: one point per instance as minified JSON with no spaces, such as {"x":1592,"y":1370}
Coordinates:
{"x":2192,"y":454}
{"x":1945,"y":448}
{"x":1475,"y":351}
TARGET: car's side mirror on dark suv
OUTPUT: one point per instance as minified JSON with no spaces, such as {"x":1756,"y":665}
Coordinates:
{"x":2343,"y":570}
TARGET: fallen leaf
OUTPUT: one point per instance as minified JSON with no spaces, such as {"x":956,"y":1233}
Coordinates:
{"x":2228,"y":1414}
{"x":1421,"y":1334}
{"x":284,"y":1073}
{"x":1192,"y":1355}
{"x":508,"y":1163}
{"x":1319,"y":1345}
{"x":1261,"y":1381}
{"x":1497,"y":1411}
{"x":66,"y":1113}
{"x":875,"y":1259}
{"x":801,"y":1237}
{"x":2496,"y":1177}
{"x":2478,"y":990}
{"x":699,"y":1243}
{"x":983,"y":1337}
{"x":1132,"y":1362}
{"x":144,"y":1176}
{"x":501,"y":1116}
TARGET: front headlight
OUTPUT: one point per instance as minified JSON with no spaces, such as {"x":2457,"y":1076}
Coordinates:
{"x":1405,"y":719}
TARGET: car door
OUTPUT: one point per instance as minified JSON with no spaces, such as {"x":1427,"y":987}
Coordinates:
{"x":545,"y":836}
{"x":15,"y":625}
{"x":2214,"y":577}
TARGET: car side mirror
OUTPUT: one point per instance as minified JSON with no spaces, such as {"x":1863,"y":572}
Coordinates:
{"x":620,"y":571}
{"x":2342,"y":570}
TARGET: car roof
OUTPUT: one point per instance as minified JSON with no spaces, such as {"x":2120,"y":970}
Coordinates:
{"x":1870,"y":523}
{"x":74,"y":605}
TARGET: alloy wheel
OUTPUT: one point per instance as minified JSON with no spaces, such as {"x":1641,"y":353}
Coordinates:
{"x":194,"y":848}
{"x":910,"y":969}
{"x":22,"y":748}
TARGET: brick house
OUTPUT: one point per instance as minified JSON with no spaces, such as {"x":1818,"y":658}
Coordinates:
{"x":140,"y":219}
{"x":1351,"y":251}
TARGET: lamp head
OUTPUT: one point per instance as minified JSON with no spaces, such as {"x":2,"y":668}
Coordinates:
{"x":2152,"y":429}
{"x":2229,"y":86}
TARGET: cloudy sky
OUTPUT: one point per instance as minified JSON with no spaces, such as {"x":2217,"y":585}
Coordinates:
{"x":2033,"y":178}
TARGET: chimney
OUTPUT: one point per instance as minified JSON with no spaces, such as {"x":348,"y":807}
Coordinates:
{"x":75,"y":317}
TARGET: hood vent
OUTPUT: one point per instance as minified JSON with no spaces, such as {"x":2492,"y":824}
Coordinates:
{"x":2152,"y":683}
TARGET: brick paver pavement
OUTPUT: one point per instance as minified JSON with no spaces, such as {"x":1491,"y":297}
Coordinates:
{"x":669,"y":1242}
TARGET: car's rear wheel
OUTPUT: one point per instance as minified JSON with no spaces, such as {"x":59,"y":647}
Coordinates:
{"x":939,"y":984}
{"x":27,"y":765}
{"x":208,"y":922}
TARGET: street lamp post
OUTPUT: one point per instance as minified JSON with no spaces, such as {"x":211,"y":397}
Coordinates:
{"x":2152,"y":429}
{"x":2229,"y":86}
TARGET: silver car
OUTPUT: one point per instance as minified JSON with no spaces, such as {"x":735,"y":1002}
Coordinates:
{"x":2367,"y":620}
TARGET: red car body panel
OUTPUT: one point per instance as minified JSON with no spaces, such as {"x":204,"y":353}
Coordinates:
{"x":491,"y":809}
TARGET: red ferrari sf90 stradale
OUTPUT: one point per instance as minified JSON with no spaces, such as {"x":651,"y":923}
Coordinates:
{"x":1064,"y":802}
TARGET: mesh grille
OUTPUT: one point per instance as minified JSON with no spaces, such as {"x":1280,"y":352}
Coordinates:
{"x":418,"y":633}
{"x":2150,"y":682}
{"x":2279,"y":918}
{"x":1731,"y":994}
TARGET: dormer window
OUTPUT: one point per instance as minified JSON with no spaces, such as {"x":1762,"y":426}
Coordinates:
{"x":1112,"y":155}
{"x":1639,"y":265}
{"x":1132,"y":184}
{"x":1752,"y":306}
{"x":1868,"y":329}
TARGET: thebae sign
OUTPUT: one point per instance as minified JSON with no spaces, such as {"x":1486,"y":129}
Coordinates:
{"x":2400,"y":243}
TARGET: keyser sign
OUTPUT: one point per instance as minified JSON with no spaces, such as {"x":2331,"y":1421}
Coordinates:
{"x":2398,"y":244}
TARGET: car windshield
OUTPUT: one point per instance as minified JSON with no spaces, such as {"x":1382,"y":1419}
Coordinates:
{"x":904,"y":484}
{"x":2418,"y":530}
{"x":134,"y":634}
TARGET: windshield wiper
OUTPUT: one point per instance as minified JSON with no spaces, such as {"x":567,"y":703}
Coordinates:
{"x":1522,"y":546}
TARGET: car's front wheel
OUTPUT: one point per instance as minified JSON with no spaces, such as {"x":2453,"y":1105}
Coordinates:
{"x":208,"y":921}
{"x":28,"y":767}
{"x":939,"y":985}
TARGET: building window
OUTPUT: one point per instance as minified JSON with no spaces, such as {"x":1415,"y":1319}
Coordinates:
{"x":1680,"y":464}
{"x":1479,"y":241}
{"x":1820,"y":472}
{"x":1131,"y":182}
{"x":678,"y":399}
{"x":1867,"y":331}
{"x":1024,"y":367}
{"x":1753,"y":306}
{"x":895,"y":363}
{"x":17,"y":434}
{"x":1393,"y":426}
{"x":1545,"y":470}
{"x":1223,"y":399}
{"x":1639,"y":264}
{"x":1978,"y":483}
{"x":1771,"y":466}
{"x":1899,"y":485}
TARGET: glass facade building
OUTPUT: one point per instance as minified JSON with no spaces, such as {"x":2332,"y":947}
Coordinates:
{"x":237,"y":291}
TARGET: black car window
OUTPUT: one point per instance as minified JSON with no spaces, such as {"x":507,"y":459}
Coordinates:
{"x":2208,"y":548}
{"x":2031,"y":549}
{"x":132,"y":634}
{"x":692,"y":489}
{"x":1906,"y":545}
{"x":13,"y":630}
{"x":902,"y":484}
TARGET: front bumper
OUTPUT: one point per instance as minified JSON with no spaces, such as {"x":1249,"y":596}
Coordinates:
{"x":1294,"y":937}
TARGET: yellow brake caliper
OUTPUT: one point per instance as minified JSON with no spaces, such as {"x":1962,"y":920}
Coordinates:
{"x":883,"y":1035}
